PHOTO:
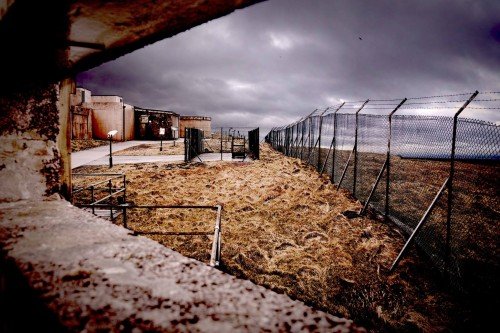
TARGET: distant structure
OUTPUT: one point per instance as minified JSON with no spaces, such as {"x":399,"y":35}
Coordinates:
{"x":93,"y":116}
{"x":111,"y":113}
{"x":149,"y":121}
{"x":199,"y":122}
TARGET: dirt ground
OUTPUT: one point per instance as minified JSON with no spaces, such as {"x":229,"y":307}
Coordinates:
{"x":77,"y":145}
{"x":288,"y":229}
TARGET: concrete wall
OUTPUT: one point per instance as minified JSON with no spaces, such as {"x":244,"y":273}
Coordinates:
{"x":34,"y":158}
{"x":96,"y":276}
{"x":203,"y":123}
{"x":129,"y":122}
{"x":107,"y":115}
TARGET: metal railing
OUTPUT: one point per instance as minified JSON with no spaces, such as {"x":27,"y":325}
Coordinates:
{"x":112,"y":189}
{"x":215,"y":256}
{"x":435,"y":176}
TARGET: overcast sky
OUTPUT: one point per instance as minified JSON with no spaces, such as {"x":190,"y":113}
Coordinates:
{"x":273,"y":62}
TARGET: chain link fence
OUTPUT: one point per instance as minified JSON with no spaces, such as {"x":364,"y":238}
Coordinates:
{"x":423,"y":166}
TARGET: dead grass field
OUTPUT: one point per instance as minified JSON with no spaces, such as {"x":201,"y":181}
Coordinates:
{"x":148,"y":149}
{"x":284,"y":228}
{"x":77,"y":145}
{"x":209,"y":146}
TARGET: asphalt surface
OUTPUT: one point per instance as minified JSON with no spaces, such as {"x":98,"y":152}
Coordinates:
{"x":84,"y":157}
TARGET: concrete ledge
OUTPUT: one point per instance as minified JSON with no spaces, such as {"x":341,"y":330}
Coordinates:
{"x":94,"y":275}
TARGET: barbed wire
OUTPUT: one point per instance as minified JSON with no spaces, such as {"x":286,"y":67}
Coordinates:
{"x":427,"y":97}
{"x":441,"y":96}
{"x":489,"y":92}
{"x":447,"y":107}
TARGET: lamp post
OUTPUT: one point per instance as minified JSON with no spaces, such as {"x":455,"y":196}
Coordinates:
{"x":110,"y":137}
{"x":162,"y":134}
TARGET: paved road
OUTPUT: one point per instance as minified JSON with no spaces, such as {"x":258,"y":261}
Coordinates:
{"x":83,"y":157}
{"x":124,"y":159}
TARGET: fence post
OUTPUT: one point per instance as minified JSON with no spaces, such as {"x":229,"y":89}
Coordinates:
{"x":452,"y":173}
{"x":124,"y":215}
{"x":275,"y":139}
{"x":309,"y":145}
{"x":331,"y":144}
{"x":319,"y":138}
{"x":388,"y":159}
{"x":290,"y":131}
{"x":221,"y":143}
{"x":294,"y":141}
{"x":279,"y":140}
{"x":124,"y":189}
{"x":419,"y":225}
{"x":286,"y":141}
{"x":334,"y":141}
{"x":92,"y":198}
{"x":186,"y":148}
{"x":110,"y":193}
{"x":356,"y":150}
{"x":302,"y":138}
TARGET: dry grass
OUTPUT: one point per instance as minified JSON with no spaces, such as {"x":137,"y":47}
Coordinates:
{"x":169,"y":148}
{"x":283,"y":228}
{"x":78,"y":145}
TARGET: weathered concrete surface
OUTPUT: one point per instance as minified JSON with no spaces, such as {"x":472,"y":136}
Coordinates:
{"x":31,"y":142}
{"x":95,"y":276}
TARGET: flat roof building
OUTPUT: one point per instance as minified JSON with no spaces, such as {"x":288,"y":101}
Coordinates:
{"x":148,"y":123}
{"x":200,"y":122}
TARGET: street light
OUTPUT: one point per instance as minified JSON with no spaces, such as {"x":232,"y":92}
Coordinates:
{"x":162,"y":134}
{"x":110,"y":137}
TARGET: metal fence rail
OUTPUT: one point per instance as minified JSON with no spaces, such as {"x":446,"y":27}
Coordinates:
{"x":215,"y":255}
{"x":110,"y":190}
{"x":435,"y":176}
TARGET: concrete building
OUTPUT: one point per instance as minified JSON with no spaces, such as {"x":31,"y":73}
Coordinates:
{"x":148,"y":123}
{"x":93,"y":116}
{"x":200,"y":122}
{"x":111,"y":113}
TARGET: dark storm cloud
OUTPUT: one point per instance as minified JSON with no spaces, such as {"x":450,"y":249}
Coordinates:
{"x":276,"y":61}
